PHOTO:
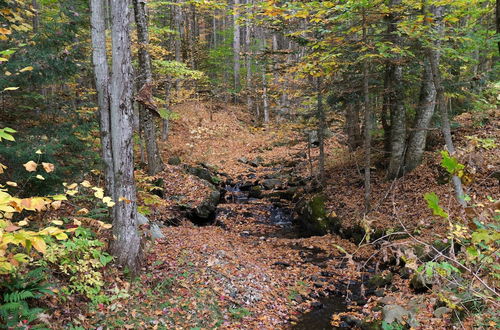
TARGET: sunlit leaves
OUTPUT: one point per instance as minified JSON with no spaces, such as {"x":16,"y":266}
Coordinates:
{"x":30,"y":166}
{"x":433,"y":203}
{"x":6,"y":134}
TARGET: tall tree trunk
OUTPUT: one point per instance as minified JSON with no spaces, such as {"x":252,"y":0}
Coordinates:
{"x":497,"y":14}
{"x":398,"y":111}
{"x":127,"y":242}
{"x":101,"y":72}
{"x":352,"y":128}
{"x":155,"y":163}
{"x":248,"y":61}
{"x":236,"y":46}
{"x":265,"y":100}
{"x":368,"y":124}
{"x":434,"y":57}
{"x":166,"y":121}
{"x":425,"y":111}
{"x":321,"y":133}
{"x":36,"y":16}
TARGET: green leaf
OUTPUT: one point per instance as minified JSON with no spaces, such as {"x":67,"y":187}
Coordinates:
{"x":451,"y":164}
{"x":433,"y":203}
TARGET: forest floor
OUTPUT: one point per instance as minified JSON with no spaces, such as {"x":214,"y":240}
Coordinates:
{"x":252,"y":268}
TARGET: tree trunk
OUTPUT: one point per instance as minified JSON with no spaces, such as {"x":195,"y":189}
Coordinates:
{"x":434,"y":56}
{"x":248,"y":62}
{"x":265,"y":101}
{"x":368,"y":125}
{"x":497,"y":14}
{"x":236,"y":46}
{"x":352,"y":126}
{"x":155,"y":163}
{"x":127,"y":242}
{"x":425,"y":111}
{"x":398,"y":111}
{"x":321,"y":133}
{"x":101,"y":72}
{"x":36,"y":15}
{"x":166,"y":121}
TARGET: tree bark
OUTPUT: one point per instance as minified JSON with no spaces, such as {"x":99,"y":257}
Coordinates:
{"x":368,"y":125}
{"x":434,"y":56}
{"x":101,"y":72}
{"x":248,"y":62}
{"x":127,"y":242}
{"x":398,"y":111}
{"x":425,"y":111}
{"x":321,"y":133}
{"x":352,"y":125}
{"x":155,"y":164}
{"x":236,"y":47}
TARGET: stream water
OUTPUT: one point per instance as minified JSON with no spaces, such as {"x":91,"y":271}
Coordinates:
{"x":319,"y":317}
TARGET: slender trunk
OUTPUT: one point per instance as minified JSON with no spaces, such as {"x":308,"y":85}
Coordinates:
{"x":434,"y":57}
{"x":386,"y":106}
{"x":368,"y":124}
{"x":497,"y":14}
{"x":177,"y":37}
{"x":155,"y":163}
{"x":425,"y":111}
{"x":398,"y":111}
{"x":127,"y":242}
{"x":36,"y":16}
{"x":321,"y":134}
{"x":236,"y":47}
{"x":352,"y":126}
{"x":101,"y":71}
{"x":166,"y":121}
{"x":265,"y":101}
{"x":248,"y":63}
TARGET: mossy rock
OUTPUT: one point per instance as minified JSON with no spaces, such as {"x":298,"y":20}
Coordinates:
{"x":380,"y":280}
{"x":314,"y":218}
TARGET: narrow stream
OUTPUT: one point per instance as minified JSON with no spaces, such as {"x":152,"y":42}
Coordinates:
{"x":319,"y":317}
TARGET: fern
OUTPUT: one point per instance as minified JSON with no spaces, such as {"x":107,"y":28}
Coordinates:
{"x":17,"y":296}
{"x":18,"y":293}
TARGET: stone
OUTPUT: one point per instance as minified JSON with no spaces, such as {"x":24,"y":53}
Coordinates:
{"x":271,"y":183}
{"x":313,"y":217}
{"x":255,"y":192}
{"x":256,"y":162}
{"x":378,"y":281}
{"x":419,"y":283}
{"x":440,"y":311}
{"x":142,"y":219}
{"x":393,"y":313}
{"x":243,"y":160}
{"x":175,"y":160}
{"x":156,"y":232}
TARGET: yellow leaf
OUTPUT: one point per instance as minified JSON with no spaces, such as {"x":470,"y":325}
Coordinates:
{"x":108,"y":201}
{"x":39,"y":244}
{"x":12,"y":184}
{"x":11,"y":88}
{"x":38,"y":152}
{"x":77,"y":222}
{"x":61,"y":236}
{"x":7,"y":73}
{"x":59,"y":197}
{"x":39,"y":177}
{"x":86,"y":184}
{"x":2,"y":168}
{"x":5,"y":31}
{"x":57,"y":222}
{"x":82,"y":211}
{"x":72,"y":192}
{"x":99,"y":192}
{"x":28,"y":68}
{"x":3,"y":59}
{"x":30,"y":166}
{"x":48,"y":167}
{"x":56,"y":205}
{"x":22,"y":223}
{"x":72,"y":186}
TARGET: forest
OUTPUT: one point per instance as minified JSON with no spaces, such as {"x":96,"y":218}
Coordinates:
{"x":249,"y":164}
